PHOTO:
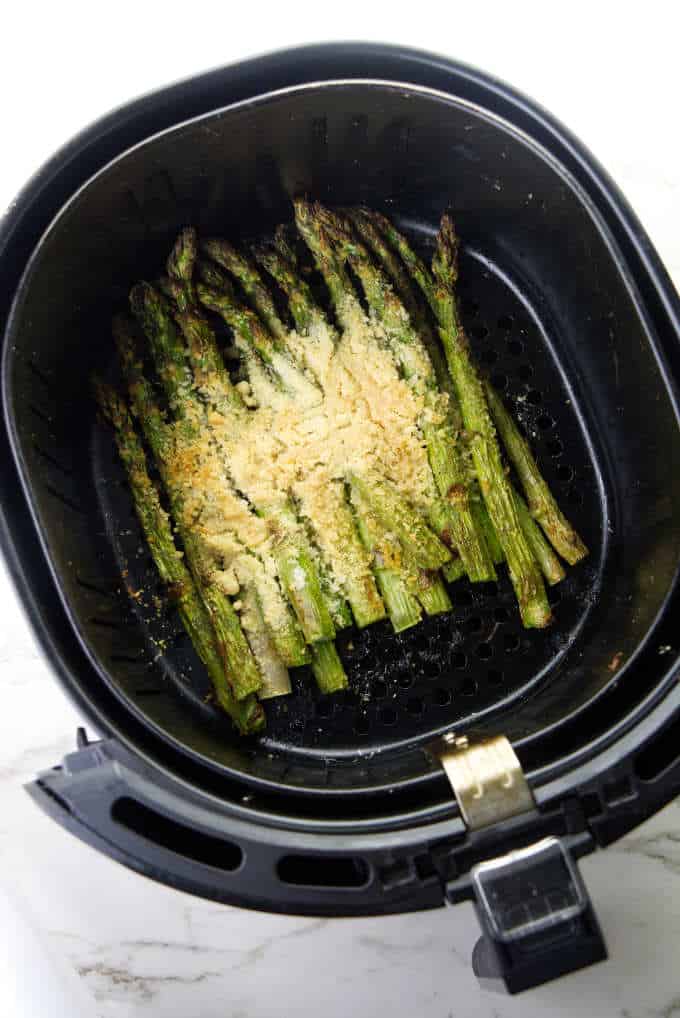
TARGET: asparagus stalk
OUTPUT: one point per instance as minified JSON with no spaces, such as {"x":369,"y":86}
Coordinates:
{"x":305,"y":311}
{"x":310,"y":222}
{"x":301,"y":582}
{"x":283,"y":245}
{"x":369,"y":226}
{"x":551,"y":567}
{"x":154,"y":316}
{"x":453,"y":570}
{"x":432,"y":593}
{"x":415,"y":266}
{"x":327,"y":667}
{"x":542,"y":504}
{"x":242,"y":320}
{"x":283,"y":631}
{"x":240,"y":663}
{"x":253,"y":286}
{"x":338,"y":283}
{"x":396,"y":515}
{"x":275,"y":677}
{"x":156,"y":526}
{"x":402,"y":606}
{"x":496,"y":490}
{"x":371,"y":236}
{"x":481,"y":515}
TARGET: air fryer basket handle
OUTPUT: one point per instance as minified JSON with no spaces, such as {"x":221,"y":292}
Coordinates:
{"x":106,"y":798}
{"x":537,"y":919}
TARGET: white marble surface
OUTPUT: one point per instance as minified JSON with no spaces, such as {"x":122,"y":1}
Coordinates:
{"x":144,"y":950}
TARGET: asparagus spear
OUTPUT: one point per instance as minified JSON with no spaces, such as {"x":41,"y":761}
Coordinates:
{"x":327,"y":667}
{"x":498,"y":495}
{"x":254,"y":288}
{"x":275,"y":677}
{"x":305,"y":311}
{"x":453,"y":570}
{"x":245,"y":323}
{"x":154,"y":316}
{"x":343,"y":298}
{"x":369,"y":226}
{"x":371,"y":236}
{"x":246,"y":713}
{"x":421,"y":543}
{"x":402,"y":606}
{"x":445,"y":458}
{"x":542,"y":504}
{"x":551,"y":567}
{"x":284,"y":246}
{"x":240,"y":664}
{"x":301,"y":582}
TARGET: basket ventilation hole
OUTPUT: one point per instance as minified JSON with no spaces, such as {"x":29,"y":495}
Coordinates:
{"x":167,"y":833}
{"x":322,"y":871}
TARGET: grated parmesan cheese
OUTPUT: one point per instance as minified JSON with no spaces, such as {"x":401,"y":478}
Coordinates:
{"x":347,"y":409}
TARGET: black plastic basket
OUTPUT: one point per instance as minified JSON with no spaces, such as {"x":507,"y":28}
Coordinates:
{"x":340,"y":809}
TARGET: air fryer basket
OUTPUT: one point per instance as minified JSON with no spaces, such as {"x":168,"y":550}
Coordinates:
{"x":557,"y":317}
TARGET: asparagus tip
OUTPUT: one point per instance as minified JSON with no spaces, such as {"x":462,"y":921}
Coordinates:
{"x":182,"y":258}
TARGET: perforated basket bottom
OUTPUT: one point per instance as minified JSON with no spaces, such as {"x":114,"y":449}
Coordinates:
{"x":451,"y":669}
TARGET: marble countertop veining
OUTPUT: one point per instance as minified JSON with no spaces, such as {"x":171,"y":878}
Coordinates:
{"x":142,"y":950}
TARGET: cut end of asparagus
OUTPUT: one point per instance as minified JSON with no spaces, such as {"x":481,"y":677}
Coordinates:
{"x":453,"y":571}
{"x":302,"y":586}
{"x":433,"y":595}
{"x":327,"y":667}
{"x":535,"y":615}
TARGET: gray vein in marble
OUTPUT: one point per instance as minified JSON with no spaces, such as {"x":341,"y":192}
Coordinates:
{"x":114,"y":977}
{"x":255,"y":954}
{"x":143,"y":987}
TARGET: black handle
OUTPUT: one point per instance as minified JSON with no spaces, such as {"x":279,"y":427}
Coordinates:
{"x":112,"y":801}
{"x":537,"y":919}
